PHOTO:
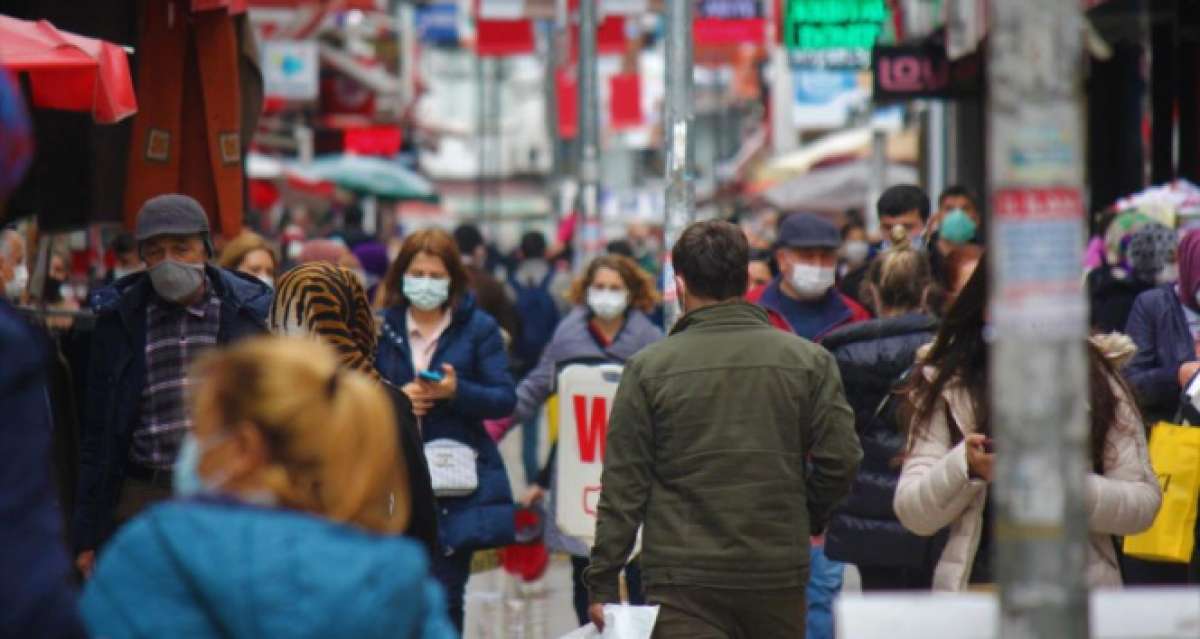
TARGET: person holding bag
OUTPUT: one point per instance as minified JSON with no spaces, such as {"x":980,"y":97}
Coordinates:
{"x":948,"y":466}
{"x":1165,"y":324}
{"x":448,"y":357}
{"x":609,"y":323}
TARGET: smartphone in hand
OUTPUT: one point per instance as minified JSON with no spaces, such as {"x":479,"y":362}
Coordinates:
{"x":431,"y":376}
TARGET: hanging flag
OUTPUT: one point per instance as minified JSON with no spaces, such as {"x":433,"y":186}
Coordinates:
{"x":500,"y":38}
{"x":625,"y":101}
{"x":568,"y":103}
{"x":610,"y":37}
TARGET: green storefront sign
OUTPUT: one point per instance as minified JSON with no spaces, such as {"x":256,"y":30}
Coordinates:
{"x":844,"y":28}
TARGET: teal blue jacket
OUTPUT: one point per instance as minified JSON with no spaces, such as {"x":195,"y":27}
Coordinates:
{"x":225,"y":569}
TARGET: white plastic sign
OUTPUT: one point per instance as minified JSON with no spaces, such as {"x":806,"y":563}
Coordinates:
{"x":585,"y":398}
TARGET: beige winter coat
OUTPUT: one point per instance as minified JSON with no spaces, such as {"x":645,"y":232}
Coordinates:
{"x":935,"y":491}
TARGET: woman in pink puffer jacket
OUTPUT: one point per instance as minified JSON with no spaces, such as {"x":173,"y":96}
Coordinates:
{"x":948,"y":467}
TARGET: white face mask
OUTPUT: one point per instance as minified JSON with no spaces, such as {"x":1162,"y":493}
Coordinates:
{"x":856,"y":251}
{"x":607,"y":304}
{"x":811,"y":281}
{"x":268,"y":280}
{"x":20,"y":280}
{"x":426,"y":293}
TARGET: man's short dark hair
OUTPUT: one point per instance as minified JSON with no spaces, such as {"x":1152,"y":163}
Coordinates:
{"x":958,"y":190}
{"x":124,"y":243}
{"x":533,"y":245}
{"x":852,"y":226}
{"x":712,"y":258}
{"x":901,"y":199}
{"x":468,"y":238}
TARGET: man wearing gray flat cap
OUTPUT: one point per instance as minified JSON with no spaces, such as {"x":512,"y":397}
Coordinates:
{"x":150,"y":327}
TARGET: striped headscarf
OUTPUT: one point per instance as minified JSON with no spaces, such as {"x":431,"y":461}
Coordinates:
{"x":327,"y":301}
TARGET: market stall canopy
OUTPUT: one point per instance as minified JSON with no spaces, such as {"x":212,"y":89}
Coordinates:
{"x":371,"y":176}
{"x":901,"y":147}
{"x":834,"y":189}
{"x":67,"y":71}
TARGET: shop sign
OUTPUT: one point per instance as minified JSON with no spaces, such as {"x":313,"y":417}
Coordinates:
{"x":840,"y":32}
{"x":438,"y":24}
{"x":904,"y":72}
{"x":290,"y":69}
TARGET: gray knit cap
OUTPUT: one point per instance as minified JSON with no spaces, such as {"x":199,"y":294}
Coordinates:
{"x":172,"y":214}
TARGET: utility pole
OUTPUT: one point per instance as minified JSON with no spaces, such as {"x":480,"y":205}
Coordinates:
{"x":554,"y":38}
{"x":587,"y":228}
{"x":677,"y":129}
{"x":1038,"y":317}
{"x":783,"y":127}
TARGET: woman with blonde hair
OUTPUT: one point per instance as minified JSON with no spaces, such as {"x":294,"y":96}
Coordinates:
{"x":609,"y":323}
{"x":873,"y":357}
{"x":293,"y":492}
{"x":249,"y":253}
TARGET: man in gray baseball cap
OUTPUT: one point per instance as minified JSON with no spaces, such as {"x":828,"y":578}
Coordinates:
{"x":150,"y":327}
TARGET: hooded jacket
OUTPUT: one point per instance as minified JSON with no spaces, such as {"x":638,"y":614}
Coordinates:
{"x":730,"y":441}
{"x":473,"y":346}
{"x":117,"y":377}
{"x":207,"y":568}
{"x":935,"y":489}
{"x":872,"y":357}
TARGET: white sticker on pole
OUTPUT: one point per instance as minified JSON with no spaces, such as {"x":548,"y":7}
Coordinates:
{"x":585,"y":396}
{"x":679,"y":146}
{"x":1036,"y":263}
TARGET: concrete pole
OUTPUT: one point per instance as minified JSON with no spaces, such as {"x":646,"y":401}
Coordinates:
{"x":677,"y":129}
{"x":783,"y":127}
{"x":1038,"y":317}
{"x":877,"y":181}
{"x":587,"y":229}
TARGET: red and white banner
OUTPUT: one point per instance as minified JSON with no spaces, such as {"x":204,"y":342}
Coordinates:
{"x":585,"y":397}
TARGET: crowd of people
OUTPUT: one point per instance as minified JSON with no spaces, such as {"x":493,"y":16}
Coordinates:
{"x":303,"y":440}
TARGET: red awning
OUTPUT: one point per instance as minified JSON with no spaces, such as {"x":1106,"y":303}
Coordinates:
{"x":69,"y":71}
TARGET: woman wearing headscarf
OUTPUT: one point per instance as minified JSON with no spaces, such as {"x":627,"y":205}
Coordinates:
{"x":325,"y":301}
{"x":1137,"y":252}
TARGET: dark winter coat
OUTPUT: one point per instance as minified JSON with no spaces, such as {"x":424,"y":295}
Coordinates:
{"x":872,"y":356}
{"x":1112,"y":299}
{"x":36,"y":597}
{"x":117,"y":377}
{"x":1159,"y":328}
{"x":472,"y":345}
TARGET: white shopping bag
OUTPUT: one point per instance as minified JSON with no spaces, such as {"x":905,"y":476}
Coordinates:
{"x":620,"y":622}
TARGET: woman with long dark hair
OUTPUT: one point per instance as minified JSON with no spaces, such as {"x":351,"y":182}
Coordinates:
{"x":948,"y":467}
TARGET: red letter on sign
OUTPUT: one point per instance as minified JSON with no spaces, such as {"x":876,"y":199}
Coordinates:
{"x":591,"y":428}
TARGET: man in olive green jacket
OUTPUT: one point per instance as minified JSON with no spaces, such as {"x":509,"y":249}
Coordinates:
{"x":731,"y":441}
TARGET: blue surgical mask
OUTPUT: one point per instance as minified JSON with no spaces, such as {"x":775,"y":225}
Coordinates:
{"x":186,"y":474}
{"x":958,"y":227}
{"x":426,"y":293}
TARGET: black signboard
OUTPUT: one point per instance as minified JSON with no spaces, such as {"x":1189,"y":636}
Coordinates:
{"x":922,"y":70}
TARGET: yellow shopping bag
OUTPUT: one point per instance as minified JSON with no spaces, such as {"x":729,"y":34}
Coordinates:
{"x":1175,"y":456}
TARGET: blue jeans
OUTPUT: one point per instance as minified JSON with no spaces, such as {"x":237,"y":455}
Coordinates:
{"x":824,"y":583}
{"x":452,"y":572}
